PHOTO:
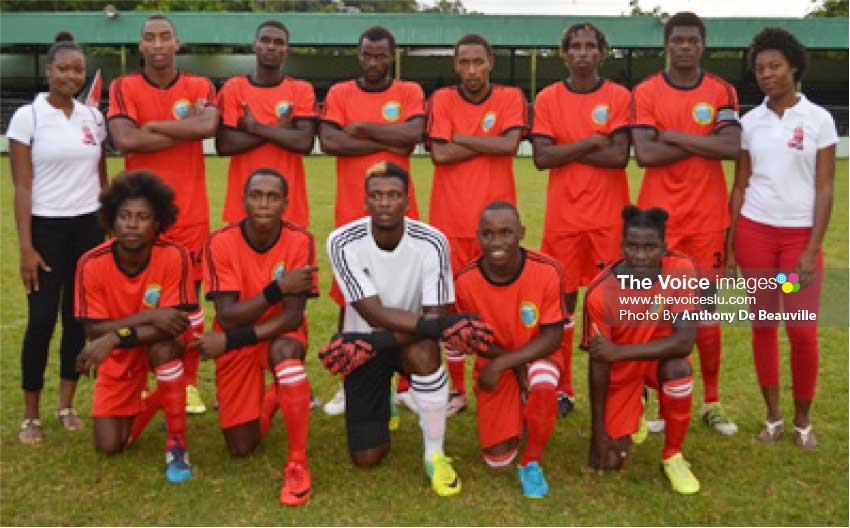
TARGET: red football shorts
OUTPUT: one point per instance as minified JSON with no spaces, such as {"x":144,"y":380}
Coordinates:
{"x":583,"y":255}
{"x":193,"y":238}
{"x":706,"y":249}
{"x":121,"y":378}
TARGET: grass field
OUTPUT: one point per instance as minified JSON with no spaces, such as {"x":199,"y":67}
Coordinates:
{"x":63,"y":481}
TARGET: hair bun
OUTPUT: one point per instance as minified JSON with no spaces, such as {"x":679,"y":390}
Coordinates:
{"x":64,"y":36}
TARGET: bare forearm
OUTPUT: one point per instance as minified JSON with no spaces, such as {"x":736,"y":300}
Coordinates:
{"x":670,"y":347}
{"x":294,"y":139}
{"x":136,"y":140}
{"x":548,"y":156}
{"x":541,"y":346}
{"x":823,"y":211}
{"x":230,"y":141}
{"x":497,"y":145}
{"x":338,"y":143}
{"x":401,"y":135}
{"x":99,"y":328}
{"x":597,"y":374}
{"x":286,"y":321}
{"x":714,"y":146}
{"x":614,"y":156}
{"x":23,"y":215}
{"x":189,"y":129}
{"x":243,"y":313}
{"x":446,"y":153}
{"x":652,"y":153}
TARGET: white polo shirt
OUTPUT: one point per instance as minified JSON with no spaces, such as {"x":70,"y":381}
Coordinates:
{"x":65,"y":155}
{"x":416,"y":273}
{"x":783,"y":152}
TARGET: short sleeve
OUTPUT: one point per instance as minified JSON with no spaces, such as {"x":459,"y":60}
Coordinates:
{"x":593,"y":320}
{"x":100,"y":125}
{"x":745,"y":130}
{"x":121,"y":101}
{"x":305,"y":255}
{"x":437,"y":283}
{"x":178,"y":289}
{"x":619,"y":117}
{"x":206,"y":91}
{"x":642,"y":108}
{"x":462,"y":303}
{"x":551,"y":304}
{"x":305,"y":103}
{"x":439,"y":118}
{"x":90,"y":300}
{"x":516,"y":113}
{"x":334,"y":110}
{"x":348,"y":270}
{"x":543,"y":125}
{"x":727,"y":106}
{"x":229,"y":104}
{"x":827,"y":134}
{"x":220,"y":273}
{"x":21,"y":126}
{"x":414,"y":102}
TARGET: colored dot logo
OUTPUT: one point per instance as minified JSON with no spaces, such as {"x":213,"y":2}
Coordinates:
{"x":277,"y":272}
{"x":391,"y":111}
{"x":599,"y":115}
{"x":789,"y":283}
{"x":180,"y":109}
{"x":151,"y":296}
{"x":488,"y":121}
{"x":282,"y":108}
{"x":703,"y":113}
{"x":528,"y":314}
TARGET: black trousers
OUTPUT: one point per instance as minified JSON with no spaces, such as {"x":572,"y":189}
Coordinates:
{"x":60,"y":242}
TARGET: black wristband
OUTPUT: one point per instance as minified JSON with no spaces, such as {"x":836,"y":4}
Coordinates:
{"x":429,"y":327}
{"x":240,"y":337}
{"x":127,"y":337}
{"x":273,"y":293}
{"x":383,"y":339}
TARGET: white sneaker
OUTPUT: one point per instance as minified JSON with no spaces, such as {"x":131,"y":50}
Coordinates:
{"x":656,"y":425}
{"x":336,"y":405}
{"x":406,"y":399}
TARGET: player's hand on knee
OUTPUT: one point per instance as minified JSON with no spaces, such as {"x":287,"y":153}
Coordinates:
{"x":488,"y":377}
{"x":607,"y":453}
{"x":95,"y":353}
{"x":346,"y":352}
{"x":464,"y":332}
{"x":169,"y":320}
{"x":211,"y":345}
{"x":297,"y":281}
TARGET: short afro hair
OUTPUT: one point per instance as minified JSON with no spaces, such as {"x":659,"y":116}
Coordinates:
{"x":474,"y":39}
{"x":684,"y":19}
{"x":388,"y":169}
{"x":499,"y":205}
{"x":267,"y":171}
{"x":653,"y":218}
{"x":137,"y":184}
{"x":570,"y":33}
{"x":783,"y":41}
{"x":274,"y":24}
{"x":377,"y":34}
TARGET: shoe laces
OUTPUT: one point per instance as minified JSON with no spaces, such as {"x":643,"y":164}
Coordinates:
{"x":293,"y":473}
{"x":679,"y":466}
{"x":442,"y":467}
{"x":533,"y":474}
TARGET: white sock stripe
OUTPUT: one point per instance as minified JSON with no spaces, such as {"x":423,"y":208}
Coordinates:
{"x":541,"y":367}
{"x":678,"y":391}
{"x":168,"y":377}
{"x":453,"y":355}
{"x":455,"y":359}
{"x":169,"y":370}
{"x":543,"y":379}
{"x":430,"y":386}
{"x":289,"y":370}
{"x":291,"y":379}
{"x":493,"y":463}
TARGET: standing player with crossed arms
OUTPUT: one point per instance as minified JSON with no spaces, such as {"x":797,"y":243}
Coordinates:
{"x":474,"y":130}
{"x":260,"y":272}
{"x":518,"y":292}
{"x":581,"y":135}
{"x":684,"y":123}
{"x":397,"y":282}
{"x":158,"y":118}
{"x":366,"y":120}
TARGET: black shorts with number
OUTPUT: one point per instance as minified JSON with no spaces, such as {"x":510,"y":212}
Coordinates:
{"x":367,"y":400}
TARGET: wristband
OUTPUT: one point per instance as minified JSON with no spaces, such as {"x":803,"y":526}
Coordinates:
{"x":273,"y":293}
{"x":383,"y":339}
{"x":429,"y":327}
{"x":127,"y":337}
{"x":240,"y":337}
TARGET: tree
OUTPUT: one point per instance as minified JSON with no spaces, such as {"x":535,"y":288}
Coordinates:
{"x":830,"y":8}
{"x":446,"y":6}
{"x":635,"y":10}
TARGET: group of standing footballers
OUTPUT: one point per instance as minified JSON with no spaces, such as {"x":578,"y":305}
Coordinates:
{"x":404,"y":286}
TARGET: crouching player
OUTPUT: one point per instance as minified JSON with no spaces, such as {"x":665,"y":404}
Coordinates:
{"x":260,"y":272}
{"x":134,"y":293}
{"x":636,"y":341}
{"x":396,"y":278}
{"x":518,"y":293}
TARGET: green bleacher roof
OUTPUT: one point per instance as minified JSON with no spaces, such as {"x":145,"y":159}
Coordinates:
{"x":421,"y":29}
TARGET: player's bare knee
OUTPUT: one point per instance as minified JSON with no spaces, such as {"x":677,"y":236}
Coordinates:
{"x":164,"y":351}
{"x":285,"y":348}
{"x":422,"y":358}
{"x":671,"y":369}
{"x":241,"y":449}
{"x":109,"y":444}
{"x":501,"y":455}
{"x":369,"y":457}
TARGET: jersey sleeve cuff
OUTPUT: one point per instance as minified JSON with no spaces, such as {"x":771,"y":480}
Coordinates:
{"x":414,"y":116}
{"x":515,"y":127}
{"x":331,"y":123}
{"x":542,"y":136}
{"x":213,"y":294}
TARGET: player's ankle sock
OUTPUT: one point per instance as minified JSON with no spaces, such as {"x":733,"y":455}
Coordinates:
{"x":403,"y":384}
{"x":709,"y":346}
{"x":676,"y":397}
{"x":268,"y":408}
{"x":192,"y":356}
{"x":456,"y":362}
{"x":293,"y":396}
{"x":565,"y":384}
{"x":541,"y":409}
{"x":431,"y":394}
{"x":171,"y":384}
{"x":150,"y":405}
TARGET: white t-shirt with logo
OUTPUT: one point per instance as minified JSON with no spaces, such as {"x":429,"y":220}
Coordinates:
{"x":416,"y":273}
{"x":65,"y":155}
{"x":783,"y":153}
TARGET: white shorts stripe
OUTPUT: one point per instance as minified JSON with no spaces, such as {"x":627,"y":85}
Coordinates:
{"x":500,"y":463}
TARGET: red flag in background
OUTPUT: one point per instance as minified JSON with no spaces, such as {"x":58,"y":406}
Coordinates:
{"x":95,"y":90}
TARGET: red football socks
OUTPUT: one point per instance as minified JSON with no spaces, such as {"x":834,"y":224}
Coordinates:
{"x":293,"y":397}
{"x":676,"y":398}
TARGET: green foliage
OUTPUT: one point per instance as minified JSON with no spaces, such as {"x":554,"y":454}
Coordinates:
{"x":635,"y":10}
{"x":830,"y":8}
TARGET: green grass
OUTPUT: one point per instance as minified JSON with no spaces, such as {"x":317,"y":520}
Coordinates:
{"x":63,"y":481}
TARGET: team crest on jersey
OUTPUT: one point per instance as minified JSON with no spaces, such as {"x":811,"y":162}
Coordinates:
{"x":599,"y":115}
{"x":391,"y":111}
{"x":488,"y":121}
{"x":88,"y":136}
{"x":278,"y":270}
{"x":703,"y":113}
{"x":528,"y":314}
{"x":657,"y":305}
{"x":181,"y":108}
{"x":282,"y":108}
{"x":151,"y":297}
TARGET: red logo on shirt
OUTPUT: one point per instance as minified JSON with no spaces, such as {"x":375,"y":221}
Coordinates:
{"x":796,"y":141}
{"x":88,"y":136}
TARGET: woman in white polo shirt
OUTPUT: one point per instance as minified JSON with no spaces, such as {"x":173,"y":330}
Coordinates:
{"x":58,"y":168}
{"x":780,"y":205}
